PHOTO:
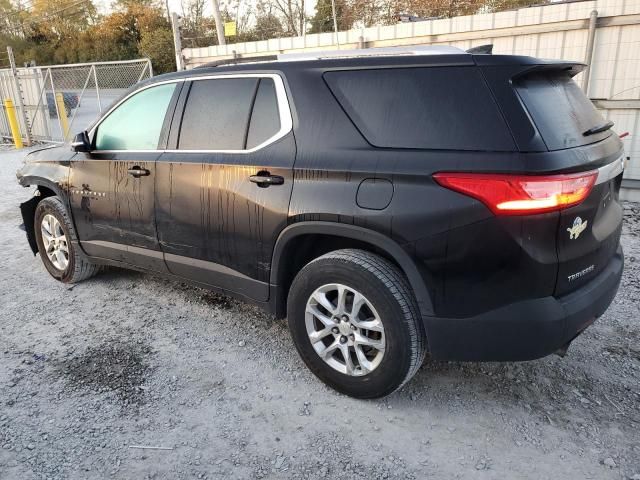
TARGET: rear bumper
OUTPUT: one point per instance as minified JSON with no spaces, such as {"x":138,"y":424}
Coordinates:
{"x":525,"y":330}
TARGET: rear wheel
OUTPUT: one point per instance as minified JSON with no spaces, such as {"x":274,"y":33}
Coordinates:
{"x":57,"y":243}
{"x":355,"y":323}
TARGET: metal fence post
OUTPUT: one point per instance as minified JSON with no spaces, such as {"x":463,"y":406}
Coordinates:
{"x":13,"y":122}
{"x":19,"y":99}
{"x":95,"y":79}
{"x":62,"y":111}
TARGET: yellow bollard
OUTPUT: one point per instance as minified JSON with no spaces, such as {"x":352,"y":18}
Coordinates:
{"x":62,"y":114}
{"x":13,"y":122}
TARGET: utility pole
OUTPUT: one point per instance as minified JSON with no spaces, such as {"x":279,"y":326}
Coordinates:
{"x":218,"y":19}
{"x":20,"y":99}
{"x":335,"y":22}
{"x":177,"y":42}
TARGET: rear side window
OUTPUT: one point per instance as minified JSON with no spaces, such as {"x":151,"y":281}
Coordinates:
{"x":430,"y":108}
{"x":265,"y":119}
{"x":559,"y":109}
{"x":216,"y":115}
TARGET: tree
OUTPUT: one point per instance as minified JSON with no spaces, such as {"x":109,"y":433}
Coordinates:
{"x":292,"y":13}
{"x":137,"y":29}
{"x":157,"y":45}
{"x":60,"y":19}
{"x":267,"y":26}
{"x":196,"y":28}
{"x":322,"y":21}
{"x":365,"y":13}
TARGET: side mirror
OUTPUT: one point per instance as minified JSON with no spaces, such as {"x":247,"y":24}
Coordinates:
{"x":81,"y":142}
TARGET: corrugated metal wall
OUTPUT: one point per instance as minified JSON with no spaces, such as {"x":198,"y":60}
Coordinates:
{"x":559,"y":30}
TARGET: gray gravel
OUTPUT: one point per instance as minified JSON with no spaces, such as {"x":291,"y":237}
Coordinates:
{"x":127,"y":359}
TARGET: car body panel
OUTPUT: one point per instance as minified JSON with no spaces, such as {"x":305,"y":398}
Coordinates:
{"x":207,"y":210}
{"x":114,"y":210}
{"x":472,"y":272}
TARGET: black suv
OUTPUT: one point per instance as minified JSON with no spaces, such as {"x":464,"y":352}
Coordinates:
{"x":432,"y":202}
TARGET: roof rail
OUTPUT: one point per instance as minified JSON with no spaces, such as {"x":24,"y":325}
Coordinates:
{"x":372,"y":52}
{"x":238,"y":60}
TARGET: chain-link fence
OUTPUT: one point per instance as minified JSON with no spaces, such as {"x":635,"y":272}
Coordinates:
{"x":56,"y":102}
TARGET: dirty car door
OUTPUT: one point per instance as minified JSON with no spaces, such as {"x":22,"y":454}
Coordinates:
{"x":112,"y":187}
{"x":223,"y":190}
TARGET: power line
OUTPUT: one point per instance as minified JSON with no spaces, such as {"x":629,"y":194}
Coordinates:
{"x":47,"y":15}
{"x":21,"y":9}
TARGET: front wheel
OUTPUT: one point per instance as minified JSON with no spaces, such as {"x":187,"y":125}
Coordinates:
{"x":58,"y":244}
{"x":355,"y":323}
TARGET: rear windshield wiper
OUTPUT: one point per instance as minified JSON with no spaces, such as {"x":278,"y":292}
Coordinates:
{"x":597,"y":129}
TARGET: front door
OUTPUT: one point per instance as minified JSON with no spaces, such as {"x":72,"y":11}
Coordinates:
{"x":112,"y":187}
{"x":223,"y":190}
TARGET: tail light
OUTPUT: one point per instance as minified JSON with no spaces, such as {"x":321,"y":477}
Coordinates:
{"x":521,"y":194}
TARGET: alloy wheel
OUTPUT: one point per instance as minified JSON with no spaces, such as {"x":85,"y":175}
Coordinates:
{"x":344,"y":329}
{"x":55,"y":242}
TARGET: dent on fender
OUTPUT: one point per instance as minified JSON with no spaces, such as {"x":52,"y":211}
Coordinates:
{"x":48,"y":167}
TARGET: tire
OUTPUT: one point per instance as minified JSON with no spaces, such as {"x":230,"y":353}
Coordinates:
{"x":388,"y":300}
{"x":77,"y":267}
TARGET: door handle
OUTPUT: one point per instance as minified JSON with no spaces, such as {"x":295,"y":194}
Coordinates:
{"x":265,"y":179}
{"x":138,"y":172}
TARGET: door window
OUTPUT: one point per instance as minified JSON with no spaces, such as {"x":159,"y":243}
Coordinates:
{"x":137,"y":122}
{"x":230,"y":114}
{"x":217,"y":114}
{"x":265,"y":119}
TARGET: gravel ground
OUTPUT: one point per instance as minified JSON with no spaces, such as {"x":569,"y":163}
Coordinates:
{"x":90,"y":371}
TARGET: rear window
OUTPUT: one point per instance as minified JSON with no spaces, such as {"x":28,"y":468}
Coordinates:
{"x":559,"y":109}
{"x":432,"y":108}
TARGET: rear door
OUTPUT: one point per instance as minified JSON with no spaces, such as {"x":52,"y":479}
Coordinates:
{"x":588,"y":233}
{"x":223,"y":187}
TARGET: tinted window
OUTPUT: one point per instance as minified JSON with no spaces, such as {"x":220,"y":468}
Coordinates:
{"x":561,"y":112}
{"x":435,"y":108}
{"x":136,"y":124}
{"x":217,"y":114}
{"x":265,"y":119}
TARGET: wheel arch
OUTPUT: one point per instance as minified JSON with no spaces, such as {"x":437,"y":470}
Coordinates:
{"x":44,"y":188}
{"x":345,"y":236}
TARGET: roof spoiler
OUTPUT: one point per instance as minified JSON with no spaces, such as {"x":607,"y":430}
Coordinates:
{"x":482,"y":49}
{"x":571,"y":68}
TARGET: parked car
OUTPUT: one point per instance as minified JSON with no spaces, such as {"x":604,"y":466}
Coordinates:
{"x":389,"y":205}
{"x":70,"y":102}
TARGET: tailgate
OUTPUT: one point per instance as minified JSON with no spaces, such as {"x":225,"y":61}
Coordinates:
{"x":589,"y":233}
